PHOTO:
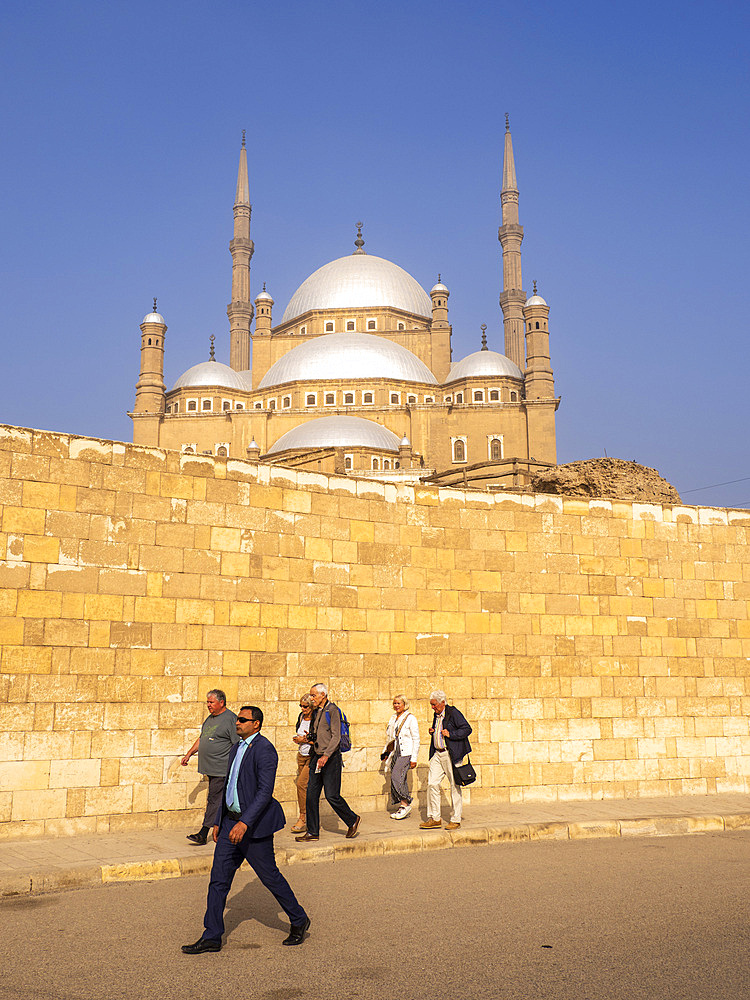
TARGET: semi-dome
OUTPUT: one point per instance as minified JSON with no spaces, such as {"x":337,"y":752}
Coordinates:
{"x":483,"y":363}
{"x":360,"y":280}
{"x":210,"y":373}
{"x":336,"y":432}
{"x":347,"y":356}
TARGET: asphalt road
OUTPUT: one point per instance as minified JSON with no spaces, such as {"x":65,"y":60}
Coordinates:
{"x":586,"y":920}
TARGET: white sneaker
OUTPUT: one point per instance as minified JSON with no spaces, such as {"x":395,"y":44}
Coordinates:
{"x":396,"y":815}
{"x":403,"y":812}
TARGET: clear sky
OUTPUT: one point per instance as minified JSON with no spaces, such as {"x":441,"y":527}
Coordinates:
{"x":121,"y":127}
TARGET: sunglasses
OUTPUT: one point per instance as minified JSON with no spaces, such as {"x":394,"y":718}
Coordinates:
{"x":241,"y":718}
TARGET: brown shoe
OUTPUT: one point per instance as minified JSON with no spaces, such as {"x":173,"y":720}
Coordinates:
{"x":306,"y":838}
{"x":452,"y":826}
{"x":352,"y":831}
{"x":430,"y":824}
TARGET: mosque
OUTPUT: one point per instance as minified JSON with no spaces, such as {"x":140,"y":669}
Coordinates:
{"x":358,"y":377}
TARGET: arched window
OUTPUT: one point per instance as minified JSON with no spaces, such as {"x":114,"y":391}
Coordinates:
{"x":371,"y":324}
{"x":494,"y":395}
{"x":330,"y":399}
{"x":386,"y":463}
{"x":286,"y":402}
{"x":221,"y":452}
{"x":496,"y":449}
{"x":348,"y":462}
{"x":367,"y":397}
{"x":400,"y":326}
{"x":459,"y":397}
{"x":375,"y":463}
{"x":459,"y":451}
{"x":350,"y":325}
{"x":310,"y":399}
{"x":478,"y":396}
{"x":348,"y":398}
{"x":329,"y":327}
{"x":537,"y":324}
{"x":514,"y":397}
{"x":192,"y":405}
{"x":411,"y":399}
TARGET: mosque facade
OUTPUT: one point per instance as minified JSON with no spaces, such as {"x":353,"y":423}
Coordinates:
{"x":358,"y":377}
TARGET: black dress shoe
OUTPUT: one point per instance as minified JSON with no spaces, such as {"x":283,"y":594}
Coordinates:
{"x":297,"y":933}
{"x":352,"y":831}
{"x":203,"y":944}
{"x":306,"y":837}
{"x":197,"y":838}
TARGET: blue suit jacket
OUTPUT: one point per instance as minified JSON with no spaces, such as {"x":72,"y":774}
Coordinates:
{"x":259,"y":809}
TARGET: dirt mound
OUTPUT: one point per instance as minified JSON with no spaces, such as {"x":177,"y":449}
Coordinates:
{"x":609,"y":478}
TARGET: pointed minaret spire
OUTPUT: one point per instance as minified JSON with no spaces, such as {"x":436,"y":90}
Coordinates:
{"x":240,"y":309}
{"x":510,"y":234}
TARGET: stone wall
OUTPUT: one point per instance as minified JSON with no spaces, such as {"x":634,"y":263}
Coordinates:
{"x":598,"y":648}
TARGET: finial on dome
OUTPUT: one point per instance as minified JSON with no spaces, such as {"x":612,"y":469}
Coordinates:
{"x":155,"y":304}
{"x":440,"y":278}
{"x":211,"y":356}
{"x":264,"y":286}
{"x":507,"y":122}
{"x":359,"y":242}
{"x":243,"y":137}
{"x":534,"y":286}
{"x":484,"y":337}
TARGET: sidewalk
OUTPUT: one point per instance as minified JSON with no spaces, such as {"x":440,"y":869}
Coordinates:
{"x":39,"y":866}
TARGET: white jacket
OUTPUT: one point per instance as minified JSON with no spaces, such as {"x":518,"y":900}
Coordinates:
{"x":408,"y":737}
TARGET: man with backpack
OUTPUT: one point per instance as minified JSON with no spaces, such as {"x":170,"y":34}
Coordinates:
{"x":326,"y":731}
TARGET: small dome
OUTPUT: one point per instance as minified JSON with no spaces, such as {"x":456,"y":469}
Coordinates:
{"x":344,"y":356}
{"x":153,"y":317}
{"x":336,"y":432}
{"x":264,"y":297}
{"x":487,"y":363}
{"x":210,"y":373}
{"x":358,"y":281}
{"x":405,"y":442}
{"x":439,"y":287}
{"x":536,"y":300}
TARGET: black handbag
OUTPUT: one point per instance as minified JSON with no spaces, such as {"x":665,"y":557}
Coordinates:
{"x":464,"y":774}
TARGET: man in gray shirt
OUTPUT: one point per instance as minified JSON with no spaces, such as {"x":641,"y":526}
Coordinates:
{"x":218,"y":736}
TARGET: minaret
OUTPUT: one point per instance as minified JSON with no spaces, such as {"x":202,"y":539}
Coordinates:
{"x":240,"y":309}
{"x":263,"y":305}
{"x":510,"y":234}
{"x":150,"y":388}
{"x":538,"y":377}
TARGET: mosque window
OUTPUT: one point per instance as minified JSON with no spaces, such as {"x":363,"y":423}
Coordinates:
{"x":239,"y":406}
{"x":396,"y":465}
{"x":226,"y":404}
{"x":494,"y":396}
{"x":149,"y":340}
{"x":207,"y":404}
{"x":375,"y":463}
{"x":350,"y":325}
{"x":311,"y":399}
{"x":459,"y":397}
{"x":329,"y":327}
{"x":411,"y":399}
{"x":176,"y":407}
{"x":157,"y":341}
{"x":529,"y":324}
{"x":221,"y":451}
{"x":447,"y":399}
{"x":348,"y":398}
{"x":514,"y":397}
{"x":372,"y":324}
{"x":537,"y":324}
{"x":429,"y":399}
{"x":395,"y":397}
{"x":386,"y":463}
{"x":367,"y":397}
{"x":259,"y":405}
{"x":496,"y":449}
{"x":188,"y":449}
{"x":459,"y":449}
{"x":192,"y":404}
{"x":348,"y":462}
{"x":271,"y":404}
{"x":286,"y":402}
{"x":401,"y":326}
{"x":479,"y":395}
{"x":303,"y":330}
{"x":169,"y":409}
{"x":330,"y":398}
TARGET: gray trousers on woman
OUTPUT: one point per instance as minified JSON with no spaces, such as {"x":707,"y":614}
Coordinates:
{"x":399,"y":786}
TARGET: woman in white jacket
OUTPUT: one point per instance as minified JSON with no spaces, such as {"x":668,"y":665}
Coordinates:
{"x":401,"y":749}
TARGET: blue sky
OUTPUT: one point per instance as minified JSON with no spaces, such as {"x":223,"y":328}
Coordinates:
{"x":122,"y":125}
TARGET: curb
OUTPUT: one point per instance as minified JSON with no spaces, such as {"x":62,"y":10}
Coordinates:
{"x":38,"y":883}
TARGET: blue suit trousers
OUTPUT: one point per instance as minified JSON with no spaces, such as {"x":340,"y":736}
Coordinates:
{"x":228,"y":857}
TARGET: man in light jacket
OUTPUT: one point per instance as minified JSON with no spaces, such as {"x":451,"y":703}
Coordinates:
{"x":325,"y":767}
{"x":448,"y":746}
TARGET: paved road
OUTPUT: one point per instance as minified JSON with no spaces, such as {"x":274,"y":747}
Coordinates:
{"x":587,"y":920}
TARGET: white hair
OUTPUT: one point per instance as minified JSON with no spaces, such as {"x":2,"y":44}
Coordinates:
{"x":439,"y":696}
{"x":320,"y":687}
{"x":400,"y":697}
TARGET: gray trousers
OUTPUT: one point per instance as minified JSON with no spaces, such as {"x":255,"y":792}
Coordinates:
{"x":215,"y":792}
{"x":399,"y":784}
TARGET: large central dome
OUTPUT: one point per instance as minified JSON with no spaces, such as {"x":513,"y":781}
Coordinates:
{"x":347,"y":355}
{"x":359,"y":281}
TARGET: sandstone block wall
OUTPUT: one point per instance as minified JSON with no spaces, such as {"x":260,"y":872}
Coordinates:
{"x":598,"y":648}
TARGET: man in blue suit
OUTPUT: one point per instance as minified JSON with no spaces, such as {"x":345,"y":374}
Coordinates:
{"x":247,"y":819}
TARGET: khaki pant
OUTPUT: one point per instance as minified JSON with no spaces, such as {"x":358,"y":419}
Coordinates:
{"x":303,"y":775}
{"x":440,"y":767}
